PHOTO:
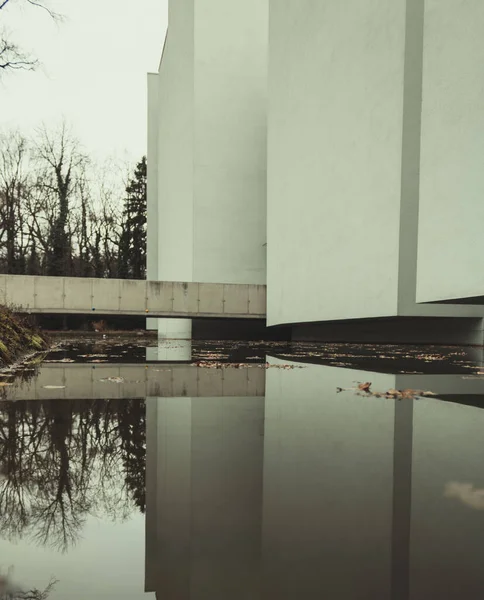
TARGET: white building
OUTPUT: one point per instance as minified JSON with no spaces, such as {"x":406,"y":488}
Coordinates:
{"x":373,"y":117}
{"x":207,"y":147}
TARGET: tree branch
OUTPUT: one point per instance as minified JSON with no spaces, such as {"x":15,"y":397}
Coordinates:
{"x":11,"y":57}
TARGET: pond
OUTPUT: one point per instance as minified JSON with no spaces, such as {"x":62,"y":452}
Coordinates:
{"x":243,"y":470}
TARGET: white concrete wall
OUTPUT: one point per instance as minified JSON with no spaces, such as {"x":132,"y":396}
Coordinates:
{"x":175,"y":153}
{"x":230,"y":87}
{"x":336,"y":72}
{"x":373,"y":134}
{"x":152,"y":186}
{"x":451,"y":240}
{"x":174,"y":167}
{"x":211,"y":161}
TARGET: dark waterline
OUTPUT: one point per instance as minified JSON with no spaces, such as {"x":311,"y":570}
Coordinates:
{"x":387,"y":358}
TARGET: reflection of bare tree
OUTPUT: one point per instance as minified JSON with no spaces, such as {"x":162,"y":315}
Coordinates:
{"x":61,"y":461}
{"x":8,"y":591}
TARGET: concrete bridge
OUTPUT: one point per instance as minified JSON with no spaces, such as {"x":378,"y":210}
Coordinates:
{"x":79,"y":295}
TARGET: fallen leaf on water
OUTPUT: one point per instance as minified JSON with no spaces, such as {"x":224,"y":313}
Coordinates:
{"x":54,"y":387}
{"x":219,"y":365}
{"x":391,"y":393}
{"x":409,"y":393}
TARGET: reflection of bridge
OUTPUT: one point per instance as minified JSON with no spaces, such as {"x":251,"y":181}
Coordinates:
{"x":78,"y":295}
{"x":87,"y":381}
{"x":171,"y":380}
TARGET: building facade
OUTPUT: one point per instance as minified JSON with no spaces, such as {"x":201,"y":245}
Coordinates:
{"x":207,"y":147}
{"x":346,"y":136}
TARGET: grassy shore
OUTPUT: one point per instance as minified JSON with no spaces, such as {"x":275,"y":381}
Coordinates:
{"x":18,"y":337}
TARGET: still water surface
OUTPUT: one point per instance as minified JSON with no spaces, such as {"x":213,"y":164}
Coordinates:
{"x":133,"y":472}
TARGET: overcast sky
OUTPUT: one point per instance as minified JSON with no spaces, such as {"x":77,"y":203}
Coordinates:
{"x":93,"y":72}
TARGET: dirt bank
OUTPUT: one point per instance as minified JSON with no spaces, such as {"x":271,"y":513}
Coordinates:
{"x":18,"y":337}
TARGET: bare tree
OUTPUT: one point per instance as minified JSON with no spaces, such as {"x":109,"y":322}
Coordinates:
{"x":12,"y":56}
{"x":105,"y":225}
{"x":14,"y":187}
{"x":62,"y":214}
{"x":61,"y":164}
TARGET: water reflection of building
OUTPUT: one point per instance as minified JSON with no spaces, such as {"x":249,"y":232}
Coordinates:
{"x":328,"y":472}
{"x":204,"y":497}
{"x":354,"y":501}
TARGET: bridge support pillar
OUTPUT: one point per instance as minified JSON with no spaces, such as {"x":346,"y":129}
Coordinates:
{"x":175,"y":329}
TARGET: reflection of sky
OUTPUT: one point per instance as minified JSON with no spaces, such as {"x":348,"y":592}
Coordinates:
{"x":466,"y":493}
{"x":107,"y":563}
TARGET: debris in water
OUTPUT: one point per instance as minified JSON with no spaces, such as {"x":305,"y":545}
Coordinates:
{"x":408,"y":394}
{"x":219,"y":365}
{"x":113,"y":379}
{"x":61,"y":360}
{"x":54,"y":387}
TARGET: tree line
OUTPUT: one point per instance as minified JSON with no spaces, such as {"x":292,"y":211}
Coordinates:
{"x":62,"y":214}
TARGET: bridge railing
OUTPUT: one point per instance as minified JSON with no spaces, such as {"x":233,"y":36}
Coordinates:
{"x":71,"y":295}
